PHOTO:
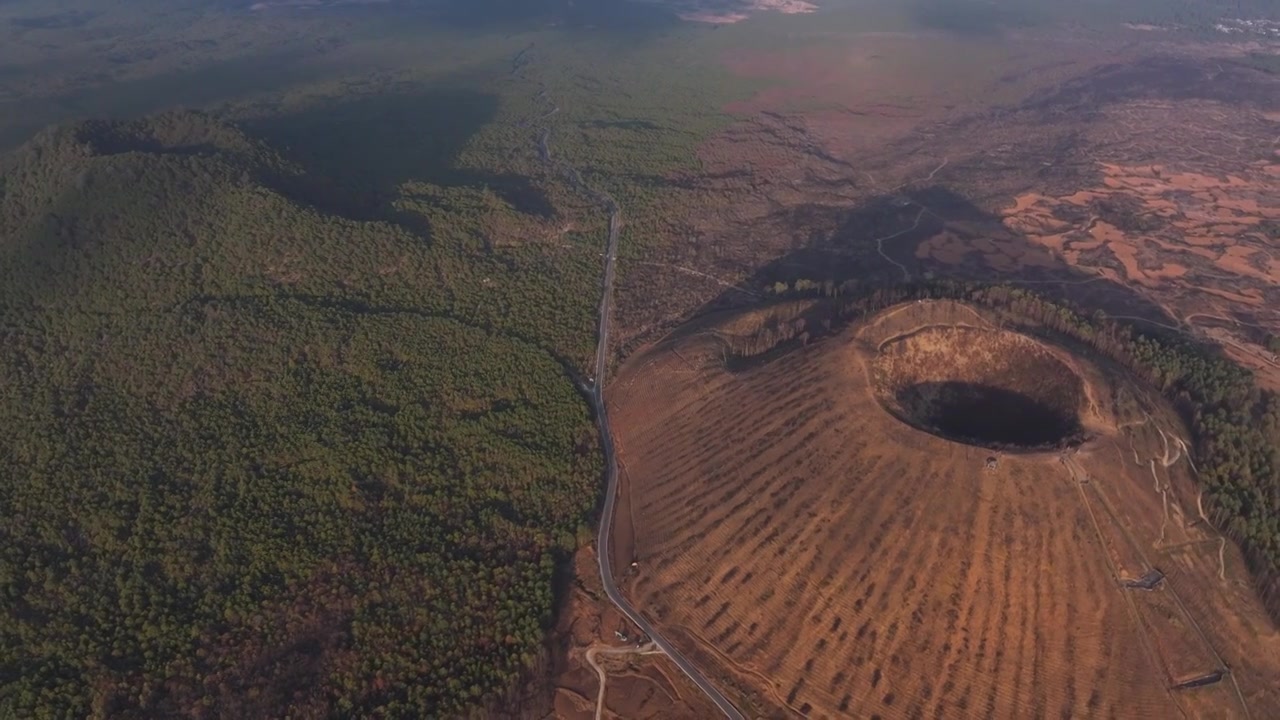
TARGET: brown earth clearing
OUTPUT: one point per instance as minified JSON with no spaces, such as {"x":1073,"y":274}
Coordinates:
{"x":818,"y":556}
{"x":1140,"y":179}
{"x":637,"y":685}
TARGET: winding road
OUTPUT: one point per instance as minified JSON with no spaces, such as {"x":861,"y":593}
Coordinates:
{"x":605,"y":538}
{"x":596,"y":397}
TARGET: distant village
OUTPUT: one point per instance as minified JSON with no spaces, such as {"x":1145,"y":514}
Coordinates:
{"x":1264,"y":28}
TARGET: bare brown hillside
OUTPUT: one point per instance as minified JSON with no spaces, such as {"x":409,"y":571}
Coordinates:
{"x":824,"y":558}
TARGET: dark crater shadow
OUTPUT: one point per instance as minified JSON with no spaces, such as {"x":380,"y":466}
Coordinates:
{"x":987,"y":415}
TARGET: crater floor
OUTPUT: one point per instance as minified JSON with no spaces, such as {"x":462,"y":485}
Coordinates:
{"x":824,"y":559}
{"x":987,"y":387}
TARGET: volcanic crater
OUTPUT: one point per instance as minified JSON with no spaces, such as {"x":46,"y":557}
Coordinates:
{"x":987,"y":387}
{"x":790,"y":523}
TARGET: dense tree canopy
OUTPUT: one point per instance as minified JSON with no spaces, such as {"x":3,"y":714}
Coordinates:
{"x":259,"y":458}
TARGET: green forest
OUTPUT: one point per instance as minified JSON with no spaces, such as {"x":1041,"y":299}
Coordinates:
{"x":1235,"y":424}
{"x":291,"y":406}
{"x":265,"y":459}
{"x":291,"y":424}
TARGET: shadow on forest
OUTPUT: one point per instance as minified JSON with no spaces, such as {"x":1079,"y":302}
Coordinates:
{"x":970,"y":17}
{"x":849,"y":252}
{"x":620,"y":17}
{"x":359,"y":152}
{"x":1162,"y":78}
{"x":54,"y":21}
{"x":624,"y":124}
{"x":201,"y":87}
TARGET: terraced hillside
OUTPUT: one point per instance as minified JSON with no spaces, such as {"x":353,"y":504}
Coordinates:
{"x":830,"y":560}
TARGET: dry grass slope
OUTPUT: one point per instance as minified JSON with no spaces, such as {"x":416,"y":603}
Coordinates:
{"x":831,"y":561}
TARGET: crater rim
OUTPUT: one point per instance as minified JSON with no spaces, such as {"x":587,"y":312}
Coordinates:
{"x":996,"y":389}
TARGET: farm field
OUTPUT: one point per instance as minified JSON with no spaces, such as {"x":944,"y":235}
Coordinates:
{"x":1125,"y":171}
{"x":823,"y":558}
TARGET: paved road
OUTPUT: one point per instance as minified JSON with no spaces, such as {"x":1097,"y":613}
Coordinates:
{"x":596,"y":395}
{"x":605,"y":538}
